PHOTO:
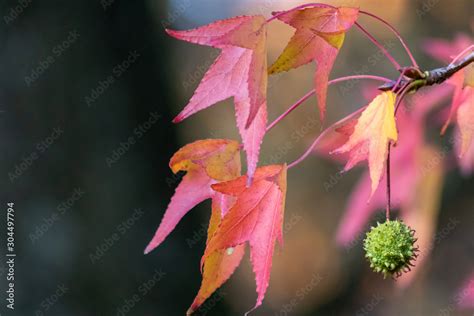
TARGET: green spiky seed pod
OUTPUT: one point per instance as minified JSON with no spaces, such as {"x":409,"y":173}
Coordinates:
{"x":390,"y":248}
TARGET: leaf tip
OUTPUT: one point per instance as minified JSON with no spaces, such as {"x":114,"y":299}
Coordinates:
{"x":178,"y":119}
{"x":254,"y":308}
{"x":374,"y":188}
{"x":149,"y":248}
{"x":322,"y":111}
{"x":249,"y":121}
{"x":170,"y":32}
{"x":249,"y":181}
{"x":444,"y":128}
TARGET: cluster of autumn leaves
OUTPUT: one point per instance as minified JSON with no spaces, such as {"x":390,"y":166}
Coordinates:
{"x":250,"y":208}
{"x":240,"y":213}
{"x":241,"y":71}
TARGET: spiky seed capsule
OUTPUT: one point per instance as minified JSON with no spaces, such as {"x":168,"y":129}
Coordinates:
{"x":390,"y":248}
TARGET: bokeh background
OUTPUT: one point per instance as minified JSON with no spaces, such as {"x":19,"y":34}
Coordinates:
{"x":78,"y":78}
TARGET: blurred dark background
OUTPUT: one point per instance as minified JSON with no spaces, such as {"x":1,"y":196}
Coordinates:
{"x":87,"y":93}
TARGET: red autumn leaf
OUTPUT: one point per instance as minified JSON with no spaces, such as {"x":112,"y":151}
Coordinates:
{"x":374,"y":130}
{"x":320,"y":32}
{"x":206,"y":162}
{"x":256,"y":218}
{"x":445,"y":51}
{"x":465,"y":121}
{"x":337,"y":135}
{"x":465,"y":130}
{"x":239,"y":72}
{"x":462,"y":108}
{"x":459,"y":96}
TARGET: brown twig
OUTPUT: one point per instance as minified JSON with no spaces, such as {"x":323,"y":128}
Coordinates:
{"x":428,"y":78}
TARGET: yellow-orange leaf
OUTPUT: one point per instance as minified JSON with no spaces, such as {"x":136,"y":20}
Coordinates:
{"x":369,"y":141}
{"x":221,"y":264}
{"x":320,"y":32}
{"x":218,"y":157}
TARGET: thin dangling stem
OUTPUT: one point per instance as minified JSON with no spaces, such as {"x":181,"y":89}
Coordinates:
{"x":318,"y":139}
{"x":387,"y":211}
{"x":397,"y":34}
{"x":380,"y":46}
{"x":405,"y":89}
{"x":461,"y":54}
{"x":307,"y":5}
{"x":290,"y":109}
{"x":402,"y":94}
{"x":402,"y":74}
{"x":312,"y":92}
